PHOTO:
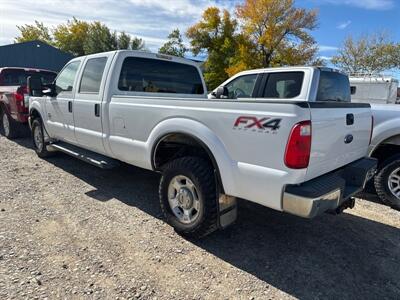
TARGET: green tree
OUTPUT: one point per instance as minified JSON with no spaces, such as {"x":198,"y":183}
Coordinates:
{"x":99,"y":39}
{"x":274,"y":33}
{"x":71,"y":37}
{"x":372,"y":53}
{"x":214,"y":35}
{"x":174,"y":45}
{"x":138,"y":44}
{"x":124,"y":41}
{"x":80,"y":37}
{"x":34,"y":32}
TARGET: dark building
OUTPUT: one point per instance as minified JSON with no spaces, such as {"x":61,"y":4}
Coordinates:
{"x":34,"y":54}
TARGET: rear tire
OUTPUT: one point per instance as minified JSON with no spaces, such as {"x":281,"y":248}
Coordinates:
{"x":387,"y":182}
{"x":39,"y":140}
{"x":188,"y":196}
{"x":9,"y":128}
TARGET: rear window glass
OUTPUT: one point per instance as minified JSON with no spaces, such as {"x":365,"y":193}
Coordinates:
{"x":284,"y":85}
{"x":19,"y":77}
{"x":333,"y":86}
{"x":158,"y":76}
{"x":92,"y":74}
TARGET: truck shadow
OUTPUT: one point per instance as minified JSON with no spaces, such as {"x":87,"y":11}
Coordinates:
{"x":329,"y":257}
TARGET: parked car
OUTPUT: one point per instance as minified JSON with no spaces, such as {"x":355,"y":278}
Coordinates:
{"x":265,"y":137}
{"x":14,"y":100}
{"x":385,"y":145}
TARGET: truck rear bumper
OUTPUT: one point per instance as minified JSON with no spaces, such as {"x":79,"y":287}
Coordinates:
{"x":328,"y":192}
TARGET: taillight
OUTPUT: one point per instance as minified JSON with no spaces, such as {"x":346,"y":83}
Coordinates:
{"x":372,"y":129}
{"x":19,"y":97}
{"x":298,"y":148}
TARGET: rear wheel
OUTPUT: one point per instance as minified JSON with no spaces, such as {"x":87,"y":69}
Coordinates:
{"x":8,"y":126}
{"x":188,"y":196}
{"x":39,"y":140}
{"x":387,"y":182}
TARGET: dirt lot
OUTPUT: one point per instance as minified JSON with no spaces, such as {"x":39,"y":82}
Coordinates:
{"x":69,"y":230}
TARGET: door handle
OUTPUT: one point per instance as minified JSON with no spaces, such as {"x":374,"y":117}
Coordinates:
{"x":70,"y":106}
{"x":349,"y":119}
{"x":97,"y":110}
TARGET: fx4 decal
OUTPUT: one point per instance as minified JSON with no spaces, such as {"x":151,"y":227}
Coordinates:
{"x":265,"y":124}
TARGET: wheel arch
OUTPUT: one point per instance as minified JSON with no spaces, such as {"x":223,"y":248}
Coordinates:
{"x":203,"y":137}
{"x":157,"y":166}
{"x":387,"y":149}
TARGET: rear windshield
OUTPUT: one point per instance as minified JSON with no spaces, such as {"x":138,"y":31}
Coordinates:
{"x":158,"y":76}
{"x":333,"y":86}
{"x":19,"y":77}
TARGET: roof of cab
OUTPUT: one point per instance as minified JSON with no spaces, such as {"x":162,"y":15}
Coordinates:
{"x":145,"y":54}
{"x":27,"y":69}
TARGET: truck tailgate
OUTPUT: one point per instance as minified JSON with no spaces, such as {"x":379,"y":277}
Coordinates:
{"x":340,"y":135}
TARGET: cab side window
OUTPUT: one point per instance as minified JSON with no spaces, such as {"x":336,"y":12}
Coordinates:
{"x":284,"y":85}
{"x":65,"y":81}
{"x":242,"y":87}
{"x":92,"y":75}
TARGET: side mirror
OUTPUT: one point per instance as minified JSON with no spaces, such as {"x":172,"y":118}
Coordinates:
{"x":35,"y":86}
{"x":50,"y":90}
{"x":222,"y":92}
{"x":353,"y":90}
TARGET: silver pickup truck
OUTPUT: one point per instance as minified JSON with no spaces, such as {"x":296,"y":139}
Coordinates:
{"x":380,"y":92}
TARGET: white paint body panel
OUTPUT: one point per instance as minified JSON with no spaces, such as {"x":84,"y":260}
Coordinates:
{"x":386,"y":124}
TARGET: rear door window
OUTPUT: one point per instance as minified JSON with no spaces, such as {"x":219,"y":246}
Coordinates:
{"x":242,"y":87}
{"x":333,"y":86}
{"x":19,"y":77}
{"x":283,"y":85}
{"x":92,"y":75}
{"x":159,"y":76}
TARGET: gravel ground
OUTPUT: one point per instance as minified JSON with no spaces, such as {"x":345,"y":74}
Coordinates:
{"x":69,"y":230}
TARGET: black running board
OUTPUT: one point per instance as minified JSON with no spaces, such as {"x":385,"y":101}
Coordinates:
{"x":90,"y":157}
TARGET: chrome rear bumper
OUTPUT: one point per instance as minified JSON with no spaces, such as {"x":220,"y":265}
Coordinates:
{"x":328,"y":192}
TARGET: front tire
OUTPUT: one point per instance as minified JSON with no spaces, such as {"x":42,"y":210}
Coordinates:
{"x":387,"y":182}
{"x":38,"y":139}
{"x":188,"y":196}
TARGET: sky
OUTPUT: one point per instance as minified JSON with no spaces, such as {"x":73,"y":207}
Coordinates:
{"x":152,"y":20}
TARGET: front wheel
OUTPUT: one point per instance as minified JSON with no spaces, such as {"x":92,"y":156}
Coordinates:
{"x":188,"y":196}
{"x":387,"y":182}
{"x":38,"y":139}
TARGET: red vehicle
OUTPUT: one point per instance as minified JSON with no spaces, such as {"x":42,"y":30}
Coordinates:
{"x":14,"y":99}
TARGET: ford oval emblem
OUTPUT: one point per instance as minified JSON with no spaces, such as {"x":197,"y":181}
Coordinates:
{"x":348,"y":139}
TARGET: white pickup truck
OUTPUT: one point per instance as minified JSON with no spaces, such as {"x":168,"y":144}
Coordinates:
{"x":381,"y":92}
{"x":277,"y":137}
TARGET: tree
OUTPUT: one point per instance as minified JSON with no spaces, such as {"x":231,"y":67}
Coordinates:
{"x":99,"y":39}
{"x":34,"y":32}
{"x":274,"y":33}
{"x":80,"y":37}
{"x":138,"y":44}
{"x":369,"y":54}
{"x":174,"y":45}
{"x":71,"y":37}
{"x":124,"y":41}
{"x":215,"y":36}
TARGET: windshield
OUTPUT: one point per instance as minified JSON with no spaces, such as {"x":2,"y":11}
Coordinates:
{"x":18,"y":77}
{"x":333,"y":86}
